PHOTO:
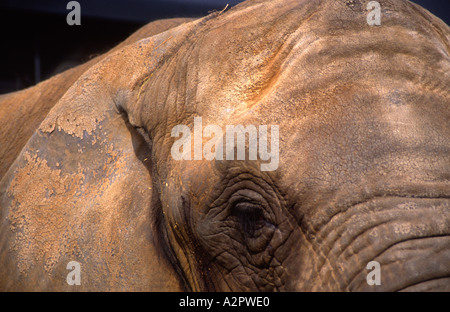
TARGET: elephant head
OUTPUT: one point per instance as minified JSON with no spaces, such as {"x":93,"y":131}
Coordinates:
{"x":362,"y":171}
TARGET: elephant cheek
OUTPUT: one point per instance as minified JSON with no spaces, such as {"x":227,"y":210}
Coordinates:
{"x":384,"y":244}
{"x":411,"y":245}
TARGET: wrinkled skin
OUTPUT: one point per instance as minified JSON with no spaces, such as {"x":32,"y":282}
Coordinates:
{"x":363,"y":174}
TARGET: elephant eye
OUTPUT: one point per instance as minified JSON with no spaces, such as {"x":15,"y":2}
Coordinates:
{"x":255,"y":228}
{"x":249,"y":216}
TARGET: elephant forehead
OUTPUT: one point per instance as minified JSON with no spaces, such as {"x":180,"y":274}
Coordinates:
{"x":303,"y":50}
{"x":334,"y":84}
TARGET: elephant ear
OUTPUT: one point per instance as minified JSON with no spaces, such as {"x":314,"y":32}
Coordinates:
{"x":81,"y":189}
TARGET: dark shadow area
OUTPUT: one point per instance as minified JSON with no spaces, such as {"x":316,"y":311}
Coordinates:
{"x":37,"y":42}
{"x":142,"y":146}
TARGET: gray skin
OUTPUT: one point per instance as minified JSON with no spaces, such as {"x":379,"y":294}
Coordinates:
{"x":364,"y":157}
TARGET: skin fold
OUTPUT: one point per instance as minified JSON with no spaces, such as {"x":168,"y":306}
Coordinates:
{"x":363,"y":171}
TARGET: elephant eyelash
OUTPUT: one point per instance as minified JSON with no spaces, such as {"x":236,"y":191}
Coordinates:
{"x":144,"y":135}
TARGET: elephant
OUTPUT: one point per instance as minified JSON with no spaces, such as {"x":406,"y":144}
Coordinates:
{"x":88,"y":174}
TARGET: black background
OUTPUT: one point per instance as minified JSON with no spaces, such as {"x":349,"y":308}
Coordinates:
{"x":279,"y":302}
{"x":37,"y":43}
